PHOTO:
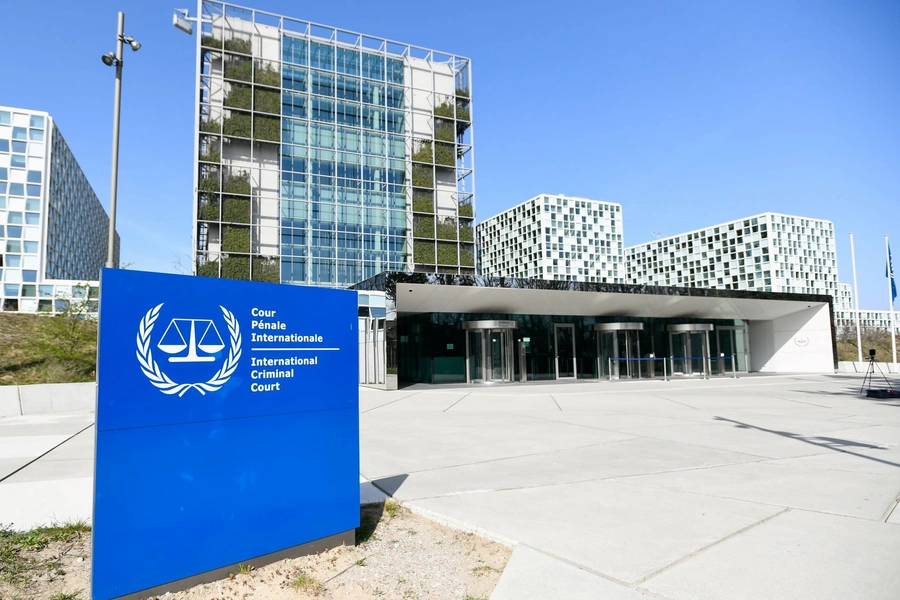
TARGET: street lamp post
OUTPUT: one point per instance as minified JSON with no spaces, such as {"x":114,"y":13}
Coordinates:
{"x":115,"y":59}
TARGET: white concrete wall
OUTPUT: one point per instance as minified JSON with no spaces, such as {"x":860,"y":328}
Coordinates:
{"x":797,"y":343}
{"x":17,"y":400}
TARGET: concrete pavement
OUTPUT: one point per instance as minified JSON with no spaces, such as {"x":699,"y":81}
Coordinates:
{"x":761,"y":487}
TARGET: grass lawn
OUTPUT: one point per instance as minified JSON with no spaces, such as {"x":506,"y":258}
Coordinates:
{"x":44,"y":349}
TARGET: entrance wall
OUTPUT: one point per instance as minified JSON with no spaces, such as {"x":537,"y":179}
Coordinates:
{"x":797,"y":343}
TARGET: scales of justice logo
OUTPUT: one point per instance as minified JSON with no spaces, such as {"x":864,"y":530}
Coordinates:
{"x":188,"y":340}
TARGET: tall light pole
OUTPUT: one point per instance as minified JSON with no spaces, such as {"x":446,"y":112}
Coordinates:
{"x":115,"y":59}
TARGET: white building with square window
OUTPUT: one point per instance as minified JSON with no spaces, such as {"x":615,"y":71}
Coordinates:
{"x":53,"y":229}
{"x":769,"y":252}
{"x":554,"y":237}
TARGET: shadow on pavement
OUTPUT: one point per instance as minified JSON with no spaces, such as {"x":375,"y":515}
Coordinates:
{"x":390,"y":485}
{"x":836,"y":444}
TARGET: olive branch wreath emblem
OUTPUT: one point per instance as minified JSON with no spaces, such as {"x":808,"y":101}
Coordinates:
{"x":162,"y":381}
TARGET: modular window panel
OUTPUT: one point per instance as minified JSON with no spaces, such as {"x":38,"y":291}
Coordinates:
{"x":348,"y":113}
{"x":36,"y":135}
{"x":294,"y":131}
{"x":395,"y":121}
{"x":20,"y":133}
{"x":33,"y":177}
{"x":373,"y":118}
{"x":17,"y":161}
{"x":348,"y":88}
{"x":321,"y":56}
{"x":31,"y":204}
{"x":395,"y":70}
{"x":4,"y":174}
{"x":294,"y":105}
{"x":32,"y":218}
{"x":4,"y":117}
{"x":294,"y":51}
{"x":348,"y":140}
{"x":321,"y":136}
{"x":373,"y":93}
{"x":373,"y":66}
{"x":29,"y":276}
{"x":295,"y":78}
{"x":323,"y":110}
{"x":4,"y":146}
{"x":348,"y":61}
{"x":322,"y":83}
{"x":37,"y":121}
{"x":30,"y":247}
{"x":395,"y":96}
{"x":34,"y":190}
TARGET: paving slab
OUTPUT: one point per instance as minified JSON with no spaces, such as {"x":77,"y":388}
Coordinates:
{"x":794,"y":555}
{"x":532,"y":575}
{"x":623,"y":531}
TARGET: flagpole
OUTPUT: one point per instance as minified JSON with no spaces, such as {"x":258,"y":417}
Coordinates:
{"x":890,"y":278}
{"x":856,"y":300}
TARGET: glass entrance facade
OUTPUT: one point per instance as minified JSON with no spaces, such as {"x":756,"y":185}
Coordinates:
{"x":435,"y":347}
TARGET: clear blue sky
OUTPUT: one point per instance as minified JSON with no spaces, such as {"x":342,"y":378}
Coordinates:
{"x":687,"y":113}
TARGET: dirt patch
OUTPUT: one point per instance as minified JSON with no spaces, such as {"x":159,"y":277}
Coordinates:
{"x":399,"y":555}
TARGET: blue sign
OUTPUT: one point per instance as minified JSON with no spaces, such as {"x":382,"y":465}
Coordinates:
{"x":227,"y":424}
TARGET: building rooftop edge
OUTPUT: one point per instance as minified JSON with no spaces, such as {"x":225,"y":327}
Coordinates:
{"x":533,"y":198}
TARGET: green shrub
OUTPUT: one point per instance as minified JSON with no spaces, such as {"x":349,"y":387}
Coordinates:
{"x":466,"y":209}
{"x":423,"y":252}
{"x":446,"y":254}
{"x":462,"y":113}
{"x":268,"y":101}
{"x":210,"y":127}
{"x":462,"y":93}
{"x":238,"y":125}
{"x":236,"y":239}
{"x":208,"y":269}
{"x":422,"y":176}
{"x":210,"y":41}
{"x":209,"y":183}
{"x":238,"y":183}
{"x":235,"y":209}
{"x":444,"y":155}
{"x":466,"y":233}
{"x":444,"y":131}
{"x":266,"y":75}
{"x":423,"y":201}
{"x":236,"y":267}
{"x":212,"y":155}
{"x":238,"y":68}
{"x":267,"y":128}
{"x":466,"y":257}
{"x":424,"y":227}
{"x":446,"y":229}
{"x":444,"y":109}
{"x":238,"y":45}
{"x":266,"y":269}
{"x":423,"y":153}
{"x":208,"y":211}
{"x":240,"y":96}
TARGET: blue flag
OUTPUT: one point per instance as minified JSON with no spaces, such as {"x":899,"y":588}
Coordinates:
{"x":889,"y":272}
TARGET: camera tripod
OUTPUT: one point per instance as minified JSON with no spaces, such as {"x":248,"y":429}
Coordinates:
{"x":870,"y":373}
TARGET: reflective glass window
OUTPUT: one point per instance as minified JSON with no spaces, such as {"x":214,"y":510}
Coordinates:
{"x":294,"y":105}
{"x":17,"y":189}
{"x":394,"y":96}
{"x":20,"y":133}
{"x":32,"y":218}
{"x":348,"y":61}
{"x":395,"y":70}
{"x":17,"y":160}
{"x":36,"y":135}
{"x":373,"y":118}
{"x":321,"y":136}
{"x":32,"y":204}
{"x":37,"y":121}
{"x":13,"y":260}
{"x":294,"y":131}
{"x":295,"y":78}
{"x":29,"y":276}
{"x":19,"y":147}
{"x":4,"y":174}
{"x":4,"y":117}
{"x":294,"y":51}
{"x":14,"y":218}
{"x":348,"y":88}
{"x":14,"y":231}
{"x":321,"y":56}
{"x":30,"y":247}
{"x":348,"y":113}
{"x":13,"y":246}
{"x":4,"y":146}
{"x":373,"y":93}
{"x":34,"y":190}
{"x":10,"y":289}
{"x":322,"y":83}
{"x":373,"y":66}
{"x":33,"y":177}
{"x":323,"y":109}
{"x":348,"y":140}
{"x":45,"y":291}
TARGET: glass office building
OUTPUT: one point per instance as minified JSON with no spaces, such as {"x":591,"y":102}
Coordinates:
{"x":53,"y":229}
{"x":326,"y":156}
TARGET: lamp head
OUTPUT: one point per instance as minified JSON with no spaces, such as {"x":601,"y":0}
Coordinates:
{"x":109,"y":59}
{"x":135,"y":45}
{"x":181,"y":21}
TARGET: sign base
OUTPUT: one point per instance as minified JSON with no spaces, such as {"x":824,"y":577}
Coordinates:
{"x":347,"y":538}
